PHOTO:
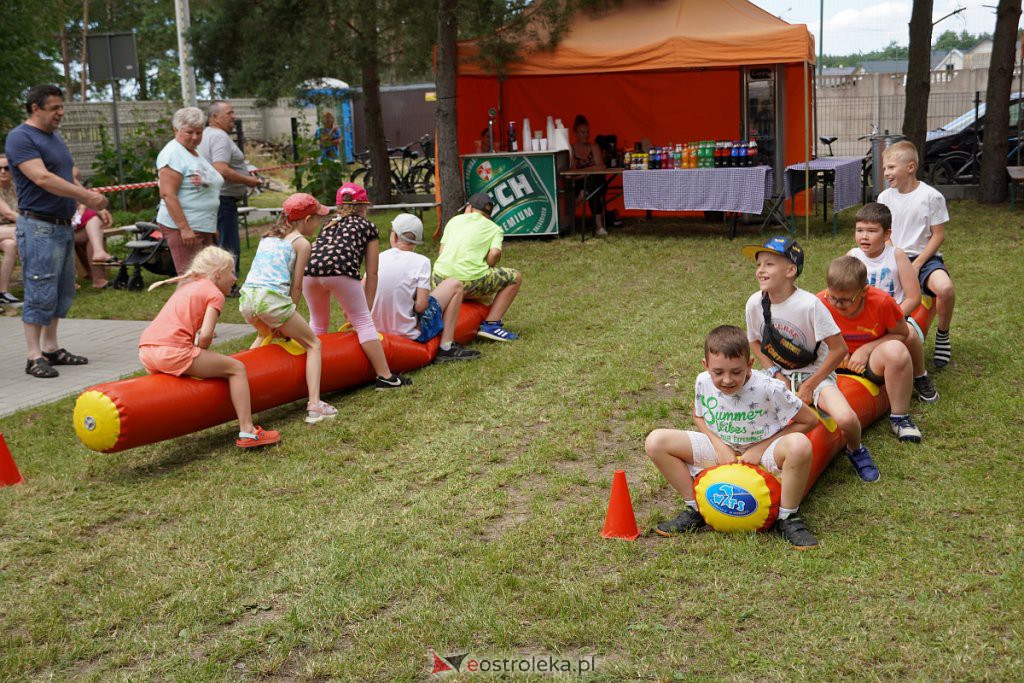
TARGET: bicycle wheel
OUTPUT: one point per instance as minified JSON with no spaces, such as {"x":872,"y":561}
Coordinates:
{"x":423,"y":178}
{"x":946,"y":170}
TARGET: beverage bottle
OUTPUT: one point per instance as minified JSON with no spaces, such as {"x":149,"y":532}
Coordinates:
{"x":733,"y":155}
{"x":626,"y":160}
{"x":718,"y":154}
{"x":752,"y":153}
{"x":742,"y":154}
{"x":512,"y":145}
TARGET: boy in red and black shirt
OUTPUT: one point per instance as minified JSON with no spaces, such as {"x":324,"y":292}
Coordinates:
{"x":874,"y":328}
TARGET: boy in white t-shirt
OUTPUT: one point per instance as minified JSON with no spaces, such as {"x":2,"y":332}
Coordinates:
{"x":795,"y":338}
{"x":919,"y":220}
{"x":405,"y":305}
{"x":741,"y":416}
{"x":890,"y":270}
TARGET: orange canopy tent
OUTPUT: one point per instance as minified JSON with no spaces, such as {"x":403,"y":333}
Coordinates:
{"x":664,"y":70}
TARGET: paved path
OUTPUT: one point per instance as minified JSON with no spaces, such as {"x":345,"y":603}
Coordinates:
{"x":110,"y":345}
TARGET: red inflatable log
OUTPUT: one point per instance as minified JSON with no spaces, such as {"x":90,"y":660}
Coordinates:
{"x":116,"y":416}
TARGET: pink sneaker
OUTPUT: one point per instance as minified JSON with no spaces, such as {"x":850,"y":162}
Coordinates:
{"x":319,"y":411}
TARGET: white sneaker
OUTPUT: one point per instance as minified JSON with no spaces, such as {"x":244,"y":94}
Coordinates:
{"x":905,"y":429}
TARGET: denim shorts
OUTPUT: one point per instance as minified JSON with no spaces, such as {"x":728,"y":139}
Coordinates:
{"x":927,"y":268}
{"x":430,"y":321}
{"x":48,"y":266}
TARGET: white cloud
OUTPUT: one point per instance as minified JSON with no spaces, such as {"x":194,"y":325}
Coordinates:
{"x":881,"y":16}
{"x":865,"y":25}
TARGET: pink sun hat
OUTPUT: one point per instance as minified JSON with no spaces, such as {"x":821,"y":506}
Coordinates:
{"x":350,"y":193}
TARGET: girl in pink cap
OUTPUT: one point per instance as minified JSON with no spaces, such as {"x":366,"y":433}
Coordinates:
{"x":274,"y":283}
{"x":333,"y":269}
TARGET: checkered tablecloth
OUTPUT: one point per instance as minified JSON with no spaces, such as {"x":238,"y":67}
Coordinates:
{"x":847,"y":183}
{"x":742,"y":190}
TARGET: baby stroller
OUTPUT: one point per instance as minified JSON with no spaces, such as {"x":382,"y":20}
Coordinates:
{"x":149,"y":250}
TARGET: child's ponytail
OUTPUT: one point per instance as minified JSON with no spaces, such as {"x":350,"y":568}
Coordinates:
{"x":206,"y":263}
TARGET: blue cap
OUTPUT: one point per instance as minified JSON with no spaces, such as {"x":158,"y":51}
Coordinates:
{"x":782,"y":245}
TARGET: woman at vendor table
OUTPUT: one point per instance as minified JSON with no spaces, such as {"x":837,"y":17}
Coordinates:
{"x":588,"y":155}
{"x":189,"y":190}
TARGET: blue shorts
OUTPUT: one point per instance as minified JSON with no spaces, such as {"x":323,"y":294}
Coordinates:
{"x":930,"y":266}
{"x":431,"y":321}
{"x":47,"y":254}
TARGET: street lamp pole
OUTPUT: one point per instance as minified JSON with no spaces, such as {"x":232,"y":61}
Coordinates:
{"x":188,"y":74}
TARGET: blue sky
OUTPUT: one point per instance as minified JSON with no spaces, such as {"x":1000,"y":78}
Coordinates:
{"x":865,"y":25}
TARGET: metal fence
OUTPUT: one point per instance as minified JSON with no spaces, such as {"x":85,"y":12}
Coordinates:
{"x":84,"y":124}
{"x":849,"y":118}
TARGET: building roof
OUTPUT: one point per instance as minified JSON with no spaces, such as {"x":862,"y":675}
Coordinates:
{"x":838,"y":70}
{"x":885,"y":66}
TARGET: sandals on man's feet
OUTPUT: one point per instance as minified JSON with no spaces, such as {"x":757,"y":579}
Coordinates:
{"x":62,"y":357}
{"x":39,"y":367}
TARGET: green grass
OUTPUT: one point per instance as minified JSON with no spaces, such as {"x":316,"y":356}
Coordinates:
{"x":464,"y":514}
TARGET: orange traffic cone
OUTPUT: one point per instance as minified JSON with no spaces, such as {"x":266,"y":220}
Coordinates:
{"x":620,"y":521}
{"x":9,"y":474}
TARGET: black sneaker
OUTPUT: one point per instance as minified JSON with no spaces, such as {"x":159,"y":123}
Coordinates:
{"x":395,"y":381}
{"x":793,"y":530}
{"x":456,"y":352}
{"x":9,"y":299}
{"x":926,"y":392}
{"x":689,"y":520}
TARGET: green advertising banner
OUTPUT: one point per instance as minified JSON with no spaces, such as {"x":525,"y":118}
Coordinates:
{"x":524,"y":188}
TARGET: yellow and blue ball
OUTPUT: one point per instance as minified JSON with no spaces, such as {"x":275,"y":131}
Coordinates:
{"x":738,"y":497}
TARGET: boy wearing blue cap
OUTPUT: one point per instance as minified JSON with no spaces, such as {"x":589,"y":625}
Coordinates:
{"x":794,"y":337}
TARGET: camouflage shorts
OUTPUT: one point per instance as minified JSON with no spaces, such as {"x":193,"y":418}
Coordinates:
{"x":490,"y":284}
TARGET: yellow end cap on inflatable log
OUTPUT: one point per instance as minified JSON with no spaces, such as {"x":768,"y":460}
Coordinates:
{"x":97,"y":420}
{"x":738,"y":497}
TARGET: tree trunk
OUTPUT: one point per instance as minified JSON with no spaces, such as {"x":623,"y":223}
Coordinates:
{"x":915,"y":115}
{"x":85,"y":53}
{"x":995,"y":145}
{"x":380,"y":187}
{"x":449,"y":175}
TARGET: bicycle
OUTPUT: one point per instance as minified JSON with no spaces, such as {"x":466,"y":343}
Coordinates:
{"x":410,"y":174}
{"x":961,"y":167}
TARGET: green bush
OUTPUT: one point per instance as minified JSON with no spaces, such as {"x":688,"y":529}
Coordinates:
{"x":321,"y":178}
{"x":138,"y":156}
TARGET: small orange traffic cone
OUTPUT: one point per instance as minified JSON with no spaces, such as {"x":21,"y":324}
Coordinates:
{"x":9,"y":474}
{"x":620,"y":521}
